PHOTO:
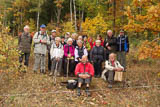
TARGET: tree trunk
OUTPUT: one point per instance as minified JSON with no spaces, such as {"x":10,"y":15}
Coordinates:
{"x":71,"y":11}
{"x":58,"y":16}
{"x":38,"y":14}
{"x":75,"y":19}
{"x":82,"y":18}
{"x":114,"y":17}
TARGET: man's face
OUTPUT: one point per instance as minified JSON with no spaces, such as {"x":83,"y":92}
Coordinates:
{"x":112,"y":58}
{"x":121,"y":33}
{"x":109,"y":34}
{"x":62,"y":39}
{"x":53,"y":34}
{"x":43,"y":29}
{"x":26,"y":30}
{"x":84,"y":59}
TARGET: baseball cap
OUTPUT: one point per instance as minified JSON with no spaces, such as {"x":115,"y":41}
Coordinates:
{"x":43,"y":26}
{"x":53,"y":31}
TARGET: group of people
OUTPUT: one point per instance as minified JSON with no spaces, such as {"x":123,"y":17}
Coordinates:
{"x":75,"y":55}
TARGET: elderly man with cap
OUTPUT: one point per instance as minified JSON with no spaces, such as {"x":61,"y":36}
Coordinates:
{"x":52,"y":41}
{"x":24,"y":44}
{"x":41,"y":40}
{"x":84,"y":71}
{"x":123,"y":48}
{"x":97,"y":56}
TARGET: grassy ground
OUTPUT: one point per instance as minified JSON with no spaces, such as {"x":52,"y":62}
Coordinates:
{"x":39,"y":91}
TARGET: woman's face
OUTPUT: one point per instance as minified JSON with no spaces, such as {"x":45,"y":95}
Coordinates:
{"x":57,"y":42}
{"x":85,"y":39}
{"x":79,"y":44}
{"x":98,"y":44}
{"x":70,"y":42}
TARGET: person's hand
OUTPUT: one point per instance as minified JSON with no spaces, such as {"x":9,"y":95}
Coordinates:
{"x":43,"y":41}
{"x":109,"y":48}
{"x":119,"y":69}
{"x":80,"y":59}
{"x":58,"y":59}
{"x":69,"y":55}
{"x":81,"y":75}
{"x":106,"y":44}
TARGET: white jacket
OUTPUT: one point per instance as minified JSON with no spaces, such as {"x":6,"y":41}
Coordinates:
{"x":56,"y":52}
{"x":109,"y":67}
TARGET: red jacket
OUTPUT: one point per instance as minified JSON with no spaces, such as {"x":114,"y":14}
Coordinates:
{"x":88,"y":69}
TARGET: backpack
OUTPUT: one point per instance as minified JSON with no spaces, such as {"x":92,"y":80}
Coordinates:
{"x":72,"y":84}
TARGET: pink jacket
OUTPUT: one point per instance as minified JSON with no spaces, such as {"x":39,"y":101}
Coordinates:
{"x":68,"y":49}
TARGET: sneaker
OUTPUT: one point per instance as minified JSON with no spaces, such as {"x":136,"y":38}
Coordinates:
{"x":109,"y":85}
{"x":88,"y":92}
{"x":51,"y":73}
{"x":35,"y":71}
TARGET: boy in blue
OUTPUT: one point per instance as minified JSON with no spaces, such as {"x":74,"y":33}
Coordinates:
{"x":122,"y":48}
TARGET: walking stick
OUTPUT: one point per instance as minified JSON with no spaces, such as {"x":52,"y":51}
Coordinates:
{"x":67,"y":67}
{"x":55,"y":74}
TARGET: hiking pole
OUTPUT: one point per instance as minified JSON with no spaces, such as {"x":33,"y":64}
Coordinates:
{"x":67,"y":67}
{"x":55,"y":74}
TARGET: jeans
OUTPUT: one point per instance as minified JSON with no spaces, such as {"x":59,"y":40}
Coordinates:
{"x":49,"y":62}
{"x":26,"y":55}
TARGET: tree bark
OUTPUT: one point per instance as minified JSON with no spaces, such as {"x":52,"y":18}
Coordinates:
{"x":38,"y":14}
{"x":75,"y":15}
{"x":71,"y":11}
{"x":114,"y":16}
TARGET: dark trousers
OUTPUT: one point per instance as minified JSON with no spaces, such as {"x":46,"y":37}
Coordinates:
{"x":26,"y":56}
{"x":110,"y":76}
{"x":71,"y":66}
{"x":97,"y":67}
{"x":49,"y":62}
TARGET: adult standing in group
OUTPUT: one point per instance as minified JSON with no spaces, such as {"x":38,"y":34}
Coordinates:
{"x":74,"y":38}
{"x":123,"y":48}
{"x":52,"y":41}
{"x":99,"y":37}
{"x":97,"y":56}
{"x":69,"y":57}
{"x":110,"y":43}
{"x":67,"y":35}
{"x":24,"y":44}
{"x":41,"y":41}
{"x":80,"y":50}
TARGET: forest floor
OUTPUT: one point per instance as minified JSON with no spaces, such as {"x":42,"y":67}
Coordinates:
{"x":38,"y":90}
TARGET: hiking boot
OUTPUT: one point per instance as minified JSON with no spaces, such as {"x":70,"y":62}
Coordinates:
{"x":35,"y":71}
{"x":24,"y":71}
{"x":51,"y":73}
{"x":109,"y":85}
{"x":78,"y":91}
{"x":88,"y":92}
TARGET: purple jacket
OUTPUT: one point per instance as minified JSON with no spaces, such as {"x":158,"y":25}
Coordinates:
{"x":71,"y":50}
